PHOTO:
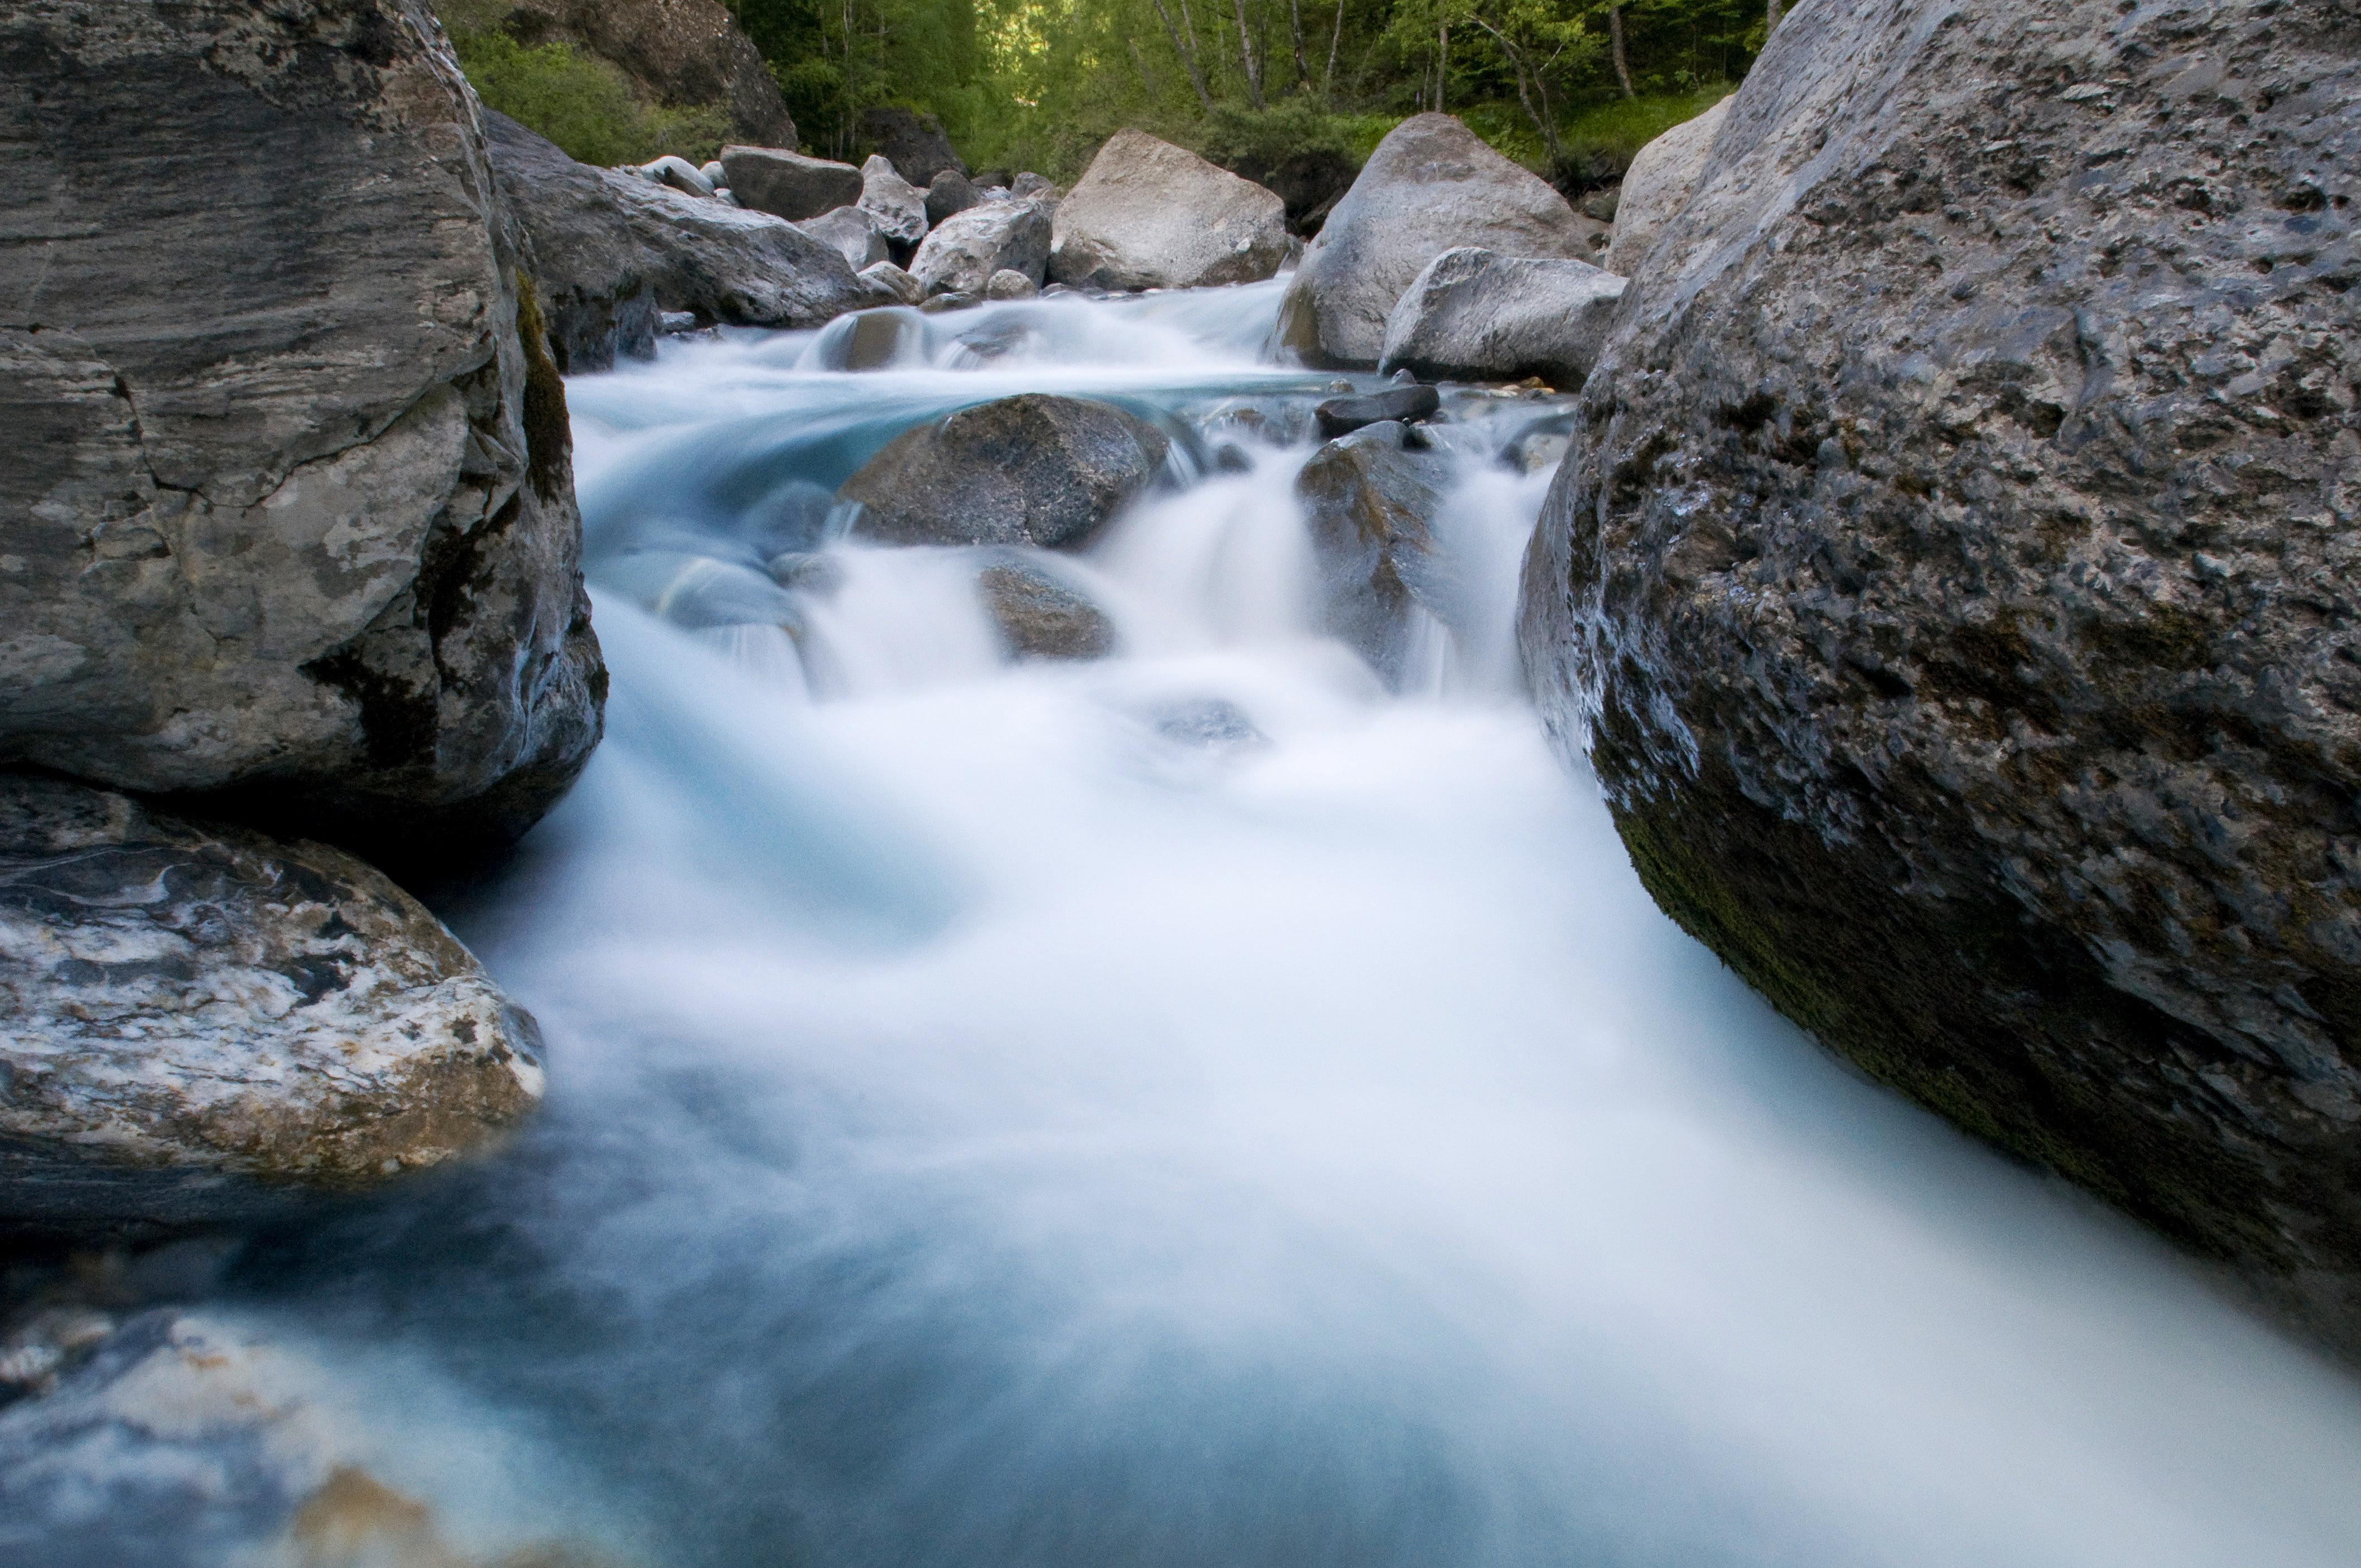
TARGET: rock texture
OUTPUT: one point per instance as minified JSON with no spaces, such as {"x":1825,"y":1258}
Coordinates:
{"x":1146,"y":215}
{"x":1657,"y":186}
{"x":1369,"y":505}
{"x":787,"y":184}
{"x":911,"y":140}
{"x":1474,"y":315}
{"x":896,"y":207}
{"x":1955,"y":573}
{"x":965,"y":250}
{"x":1034,"y":470}
{"x":611,"y":250}
{"x":682,"y":53}
{"x":848,"y":232}
{"x":196,"y":1020}
{"x":287,"y":505}
{"x":1431,"y":185}
{"x":1041,"y":616}
{"x":952,"y":192}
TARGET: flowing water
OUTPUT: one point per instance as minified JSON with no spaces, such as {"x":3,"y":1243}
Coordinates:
{"x":1195,"y":1109}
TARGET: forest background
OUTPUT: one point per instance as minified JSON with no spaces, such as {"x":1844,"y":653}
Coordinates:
{"x":1570,"y":88}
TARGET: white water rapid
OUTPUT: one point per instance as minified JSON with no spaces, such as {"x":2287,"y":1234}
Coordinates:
{"x":1195,"y":1109}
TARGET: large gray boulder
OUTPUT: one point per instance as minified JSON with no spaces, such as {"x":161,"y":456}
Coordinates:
{"x":286,"y":503}
{"x":788,"y":184}
{"x":1146,"y":215}
{"x":610,"y":250}
{"x":1432,"y":185}
{"x":964,"y":250}
{"x":197,"y":1024}
{"x":1657,"y":185}
{"x":1473,"y":315}
{"x":851,"y":235}
{"x":1033,"y":469}
{"x":896,"y":207}
{"x":1954,"y":578}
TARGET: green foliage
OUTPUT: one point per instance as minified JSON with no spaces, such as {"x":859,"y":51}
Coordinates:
{"x":1605,"y":134}
{"x":584,"y":105}
{"x":834,"y":57}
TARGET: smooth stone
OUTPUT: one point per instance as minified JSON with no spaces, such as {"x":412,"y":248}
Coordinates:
{"x":1338,"y":416}
{"x":1041,"y":616}
{"x":680,"y":174}
{"x":851,"y":234}
{"x":951,"y":193}
{"x":1475,"y":316}
{"x":1662,"y":176}
{"x":873,"y":340}
{"x":1369,"y":505}
{"x":1009,"y":284}
{"x":1033,"y":469}
{"x":885,"y":278}
{"x":788,"y":184}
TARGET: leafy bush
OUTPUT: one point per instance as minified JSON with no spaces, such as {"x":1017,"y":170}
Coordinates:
{"x":1601,"y":139}
{"x":584,"y":105}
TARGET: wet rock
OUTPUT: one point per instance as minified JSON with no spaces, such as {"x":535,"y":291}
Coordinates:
{"x":788,"y":184}
{"x":851,"y":234}
{"x":1339,"y":416}
{"x":610,"y":250}
{"x":1007,"y":284}
{"x":198,"y":1021}
{"x":1033,"y":469}
{"x":1147,"y":214}
{"x":936,"y":304}
{"x":287,"y":503}
{"x":683,"y":53}
{"x":912,"y":142}
{"x":1040,"y":614}
{"x":1658,"y":184}
{"x":964,"y":251}
{"x":680,"y":174}
{"x":1369,"y":505}
{"x":896,"y":208}
{"x":1953,"y":575}
{"x":1473,"y":315}
{"x":951,"y":193}
{"x":884,"y":278}
{"x":1212,"y":723}
{"x":873,"y":340}
{"x":1431,"y":185}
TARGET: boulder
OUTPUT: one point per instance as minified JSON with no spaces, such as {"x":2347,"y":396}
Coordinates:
{"x":1039,"y":186}
{"x":680,"y":174}
{"x":199,"y":1023}
{"x":849,"y":232}
{"x":964,"y":251}
{"x":896,"y":207}
{"x":1041,"y":616}
{"x":1431,"y":185}
{"x":685,"y":53}
{"x":884,"y":278}
{"x":1033,"y":469}
{"x":1474,"y":315}
{"x":1146,"y":215}
{"x":1953,"y":579}
{"x":286,"y":508}
{"x":1368,"y":504}
{"x":912,"y":142}
{"x":1657,"y":186}
{"x":788,"y":184}
{"x":891,"y":337}
{"x":951,"y":193}
{"x":1401,"y":405}
{"x":610,"y":250}
{"x":1009,"y":284}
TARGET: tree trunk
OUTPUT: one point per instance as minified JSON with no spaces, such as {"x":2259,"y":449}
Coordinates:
{"x":1615,"y":43}
{"x":1528,"y":83}
{"x":1441,"y":62}
{"x":1773,"y":11}
{"x":1295,"y":30}
{"x":1188,"y":54}
{"x":1246,"y":55}
{"x":1335,"y":37}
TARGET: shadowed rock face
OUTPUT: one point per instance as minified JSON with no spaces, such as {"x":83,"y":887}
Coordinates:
{"x":1034,"y":470}
{"x":197,"y":1024}
{"x":787,"y":184}
{"x":1431,"y":185}
{"x":683,"y":52}
{"x":1147,"y":214}
{"x":1955,"y":573}
{"x":287,"y":500}
{"x":912,"y":142}
{"x":1369,"y":506}
{"x":1662,"y":177}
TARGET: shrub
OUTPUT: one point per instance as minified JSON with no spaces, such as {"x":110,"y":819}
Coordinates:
{"x":584,"y":105}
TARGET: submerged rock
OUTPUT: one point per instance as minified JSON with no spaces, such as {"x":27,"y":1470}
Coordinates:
{"x":1473,"y":315}
{"x":964,"y":250}
{"x":1341,"y":416}
{"x":1658,"y":184}
{"x":198,"y":1021}
{"x":1431,"y":185}
{"x":788,"y":184}
{"x":1953,"y":575}
{"x":1040,"y":614}
{"x":1034,"y":470}
{"x":1147,"y":214}
{"x":1369,"y":505}
{"x":896,"y":208}
{"x":873,"y":340}
{"x":287,"y":494}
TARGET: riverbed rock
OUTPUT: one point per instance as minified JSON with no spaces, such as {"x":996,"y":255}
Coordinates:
{"x":1146,"y":215}
{"x":1955,"y":573}
{"x":951,"y":193}
{"x":1033,"y":469}
{"x":680,"y":174}
{"x":1400,"y":405}
{"x":198,"y":1022}
{"x":685,"y":53}
{"x":912,"y":140}
{"x":1658,"y":185}
{"x":611,"y":250}
{"x":896,"y":207}
{"x":1040,"y":615}
{"x":848,"y":232}
{"x":1476,"y":315}
{"x":886,"y":278}
{"x":1039,"y":187}
{"x":964,"y":250}
{"x":1431,"y":185}
{"x":1369,"y":505}
{"x":880,"y":339}
{"x":285,"y":506}
{"x":788,"y":184}
{"x":1010,"y":284}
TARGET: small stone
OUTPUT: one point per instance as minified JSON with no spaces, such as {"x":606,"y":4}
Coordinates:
{"x":1339,"y":416}
{"x":1010,"y":284}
